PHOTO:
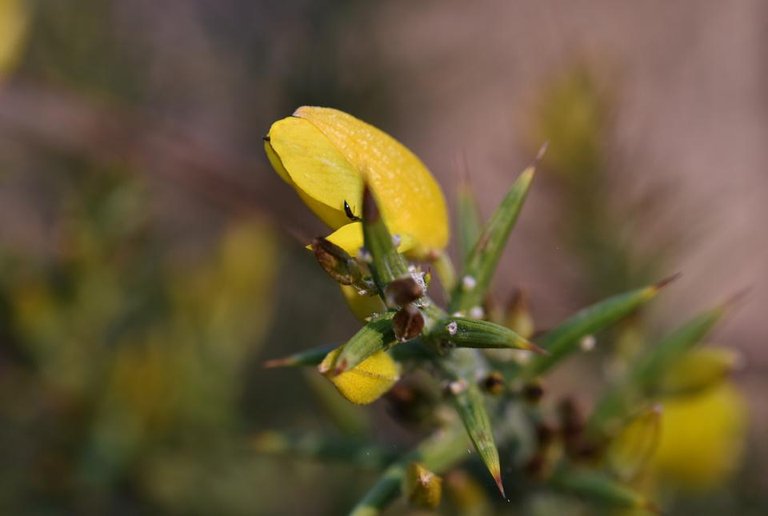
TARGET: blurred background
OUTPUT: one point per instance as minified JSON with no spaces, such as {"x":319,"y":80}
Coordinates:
{"x":148,"y":263}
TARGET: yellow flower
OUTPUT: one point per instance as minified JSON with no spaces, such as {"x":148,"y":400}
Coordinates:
{"x":701,"y":439}
{"x":694,"y":438}
{"x":326,"y":155}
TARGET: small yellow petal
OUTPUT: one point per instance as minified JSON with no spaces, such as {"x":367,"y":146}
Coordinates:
{"x":699,"y":369}
{"x":421,"y":487}
{"x":702,"y":438}
{"x":631,"y":451}
{"x":362,"y":306}
{"x":366,"y":382}
{"x":350,"y":238}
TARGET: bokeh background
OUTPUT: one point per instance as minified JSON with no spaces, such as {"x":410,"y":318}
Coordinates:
{"x":149,"y":259}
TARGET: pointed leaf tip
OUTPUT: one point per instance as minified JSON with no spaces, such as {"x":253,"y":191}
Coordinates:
{"x":340,"y":366}
{"x":736,"y":298}
{"x":530,"y":346}
{"x":666,"y":281}
{"x":275,"y":362}
{"x":481,"y":261}
{"x":499,"y":484}
{"x":308,"y":357}
{"x":541,"y":153}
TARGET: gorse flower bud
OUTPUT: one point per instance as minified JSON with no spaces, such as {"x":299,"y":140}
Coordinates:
{"x":336,"y":262}
{"x":422,"y":488}
{"x":366,"y":382}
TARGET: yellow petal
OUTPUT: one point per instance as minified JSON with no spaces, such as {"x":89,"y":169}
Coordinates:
{"x":700,"y":368}
{"x":324,"y":154}
{"x":319,"y":172}
{"x":702,"y":438}
{"x":366,"y":382}
{"x":421,"y":487}
{"x":350,"y":238}
{"x":633,"y":447}
{"x":362,"y":306}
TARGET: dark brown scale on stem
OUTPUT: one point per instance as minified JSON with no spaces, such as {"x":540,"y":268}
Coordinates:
{"x":403,"y":291}
{"x":408,"y":323}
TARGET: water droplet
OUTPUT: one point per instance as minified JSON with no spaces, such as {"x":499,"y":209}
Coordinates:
{"x":468,"y":282}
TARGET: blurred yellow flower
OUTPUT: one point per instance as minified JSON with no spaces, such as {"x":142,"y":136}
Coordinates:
{"x":701,"y":439}
{"x":694,"y":438}
{"x":13,"y":26}
{"x":326,"y":155}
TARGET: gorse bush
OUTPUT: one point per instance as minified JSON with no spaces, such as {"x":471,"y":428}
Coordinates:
{"x":390,"y":230}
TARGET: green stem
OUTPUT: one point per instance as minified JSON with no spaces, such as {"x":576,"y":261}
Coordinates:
{"x":437,"y":453}
{"x":445,"y":272}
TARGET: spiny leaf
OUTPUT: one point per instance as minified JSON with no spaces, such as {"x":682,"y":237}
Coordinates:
{"x":467,"y":219}
{"x":438,"y":452}
{"x":310,"y":357}
{"x":322,"y":448}
{"x":482,"y":260}
{"x":671,"y":349}
{"x":411,"y":350}
{"x":595,"y":486}
{"x":565,"y":339}
{"x":615,"y":406}
{"x":386,"y":263}
{"x":460,"y":369}
{"x":470,"y":405}
{"x":376,"y":335}
{"x":474,"y":333}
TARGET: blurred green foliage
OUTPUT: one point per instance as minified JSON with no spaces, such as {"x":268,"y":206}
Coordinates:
{"x":123,"y":363}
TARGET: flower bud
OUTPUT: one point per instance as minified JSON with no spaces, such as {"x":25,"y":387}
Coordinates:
{"x":421,"y":487}
{"x":367,"y":381}
{"x":336,"y":262}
